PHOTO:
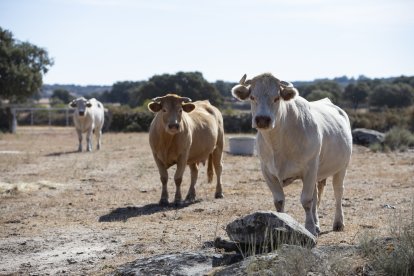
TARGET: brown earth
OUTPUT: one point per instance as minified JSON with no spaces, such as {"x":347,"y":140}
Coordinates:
{"x":63,"y":212}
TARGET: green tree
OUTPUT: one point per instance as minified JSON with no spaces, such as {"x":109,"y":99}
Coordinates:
{"x":22,"y":66}
{"x":224,"y":88}
{"x":120,"y":92}
{"x":63,"y":95}
{"x":318,"y":94}
{"x":332,"y":87}
{"x":357,"y":93}
{"x":187,"y":84}
{"x":392,"y":95}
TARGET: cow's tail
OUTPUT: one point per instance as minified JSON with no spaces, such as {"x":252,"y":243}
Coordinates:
{"x":210,"y":172}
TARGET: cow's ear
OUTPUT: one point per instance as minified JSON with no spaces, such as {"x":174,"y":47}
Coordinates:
{"x":72,"y":103}
{"x":88,"y":104}
{"x":154,"y":107}
{"x":288,"y":93}
{"x":188,"y":107}
{"x":240,"y":92}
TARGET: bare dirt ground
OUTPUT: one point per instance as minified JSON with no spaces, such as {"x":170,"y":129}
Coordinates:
{"x":63,"y":212}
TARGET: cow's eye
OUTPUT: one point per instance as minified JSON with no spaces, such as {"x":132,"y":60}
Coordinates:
{"x":181,"y":111}
{"x":252,"y":98}
{"x":277,"y":98}
{"x":164,"y":110}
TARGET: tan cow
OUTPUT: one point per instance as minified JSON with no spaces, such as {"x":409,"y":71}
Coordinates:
{"x":297,"y":139}
{"x":186,"y":133}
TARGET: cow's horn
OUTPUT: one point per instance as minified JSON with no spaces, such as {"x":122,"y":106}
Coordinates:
{"x":243,"y":79}
{"x":286,"y":84}
{"x":157,"y":99}
{"x":185,"y":99}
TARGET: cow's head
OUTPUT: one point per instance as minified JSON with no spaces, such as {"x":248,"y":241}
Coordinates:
{"x":171,"y":107}
{"x":265,"y":93}
{"x":80,"y":104}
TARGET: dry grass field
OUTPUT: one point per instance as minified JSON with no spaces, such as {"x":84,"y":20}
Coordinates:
{"x":63,"y":212}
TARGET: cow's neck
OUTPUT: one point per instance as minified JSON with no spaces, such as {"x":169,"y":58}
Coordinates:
{"x":289,"y":131}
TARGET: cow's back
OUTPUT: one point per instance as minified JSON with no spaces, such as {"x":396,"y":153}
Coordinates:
{"x":97,"y":111}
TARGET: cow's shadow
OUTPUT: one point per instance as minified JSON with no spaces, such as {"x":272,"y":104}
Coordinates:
{"x":61,"y":153}
{"x":124,"y":213}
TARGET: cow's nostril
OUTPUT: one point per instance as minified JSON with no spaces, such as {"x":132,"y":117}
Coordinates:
{"x":81,"y":113}
{"x":171,"y":126}
{"x":262,"y":121}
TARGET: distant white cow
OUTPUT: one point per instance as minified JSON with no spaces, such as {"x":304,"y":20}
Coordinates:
{"x":297,"y":139}
{"x":88,"y":117}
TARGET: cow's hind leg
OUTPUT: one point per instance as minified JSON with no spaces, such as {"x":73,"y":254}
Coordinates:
{"x":191,"y":195}
{"x":317,"y":195}
{"x":80,"y":139}
{"x":98,"y":135}
{"x":218,"y":167}
{"x":338,"y":187}
{"x":321,"y":187}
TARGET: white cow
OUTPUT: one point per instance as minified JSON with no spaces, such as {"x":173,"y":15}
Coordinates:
{"x":88,"y":117}
{"x":298,"y":139}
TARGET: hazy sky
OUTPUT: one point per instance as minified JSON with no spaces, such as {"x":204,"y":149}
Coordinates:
{"x":104,"y":41}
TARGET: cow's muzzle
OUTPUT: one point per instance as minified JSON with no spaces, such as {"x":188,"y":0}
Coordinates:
{"x":81,"y":113}
{"x":262,"y":121}
{"x":174,"y":127}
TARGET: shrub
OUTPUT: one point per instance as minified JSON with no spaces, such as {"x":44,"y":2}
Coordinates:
{"x":393,"y":255}
{"x":126,"y":119}
{"x":399,"y":139}
{"x":380,"y":120}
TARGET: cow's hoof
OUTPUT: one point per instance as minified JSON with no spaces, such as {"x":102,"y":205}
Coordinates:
{"x":318,"y":230}
{"x":338,"y":226}
{"x":163,"y":202}
{"x":219,"y":195}
{"x":190,"y":198}
{"x":178,"y":203}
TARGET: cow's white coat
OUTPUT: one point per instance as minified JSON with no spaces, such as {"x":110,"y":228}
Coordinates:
{"x":298,"y":139}
{"x":88,"y":118}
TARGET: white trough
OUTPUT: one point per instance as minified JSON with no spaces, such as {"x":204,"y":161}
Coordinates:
{"x":242,"y":145}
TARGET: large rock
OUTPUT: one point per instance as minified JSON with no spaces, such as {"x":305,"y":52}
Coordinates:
{"x":265,"y":231}
{"x":366,"y":137}
{"x":187,"y":263}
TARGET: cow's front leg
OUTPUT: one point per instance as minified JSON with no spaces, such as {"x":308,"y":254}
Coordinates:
{"x":309,"y":199}
{"x":164,"y":179}
{"x":79,"y":139}
{"x":89,"y":140}
{"x":315,"y":210}
{"x":276,"y":187}
{"x":178,"y":178}
{"x":191,"y":195}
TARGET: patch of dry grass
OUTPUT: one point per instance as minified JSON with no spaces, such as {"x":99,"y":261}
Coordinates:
{"x":393,"y":255}
{"x":123,"y":176}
